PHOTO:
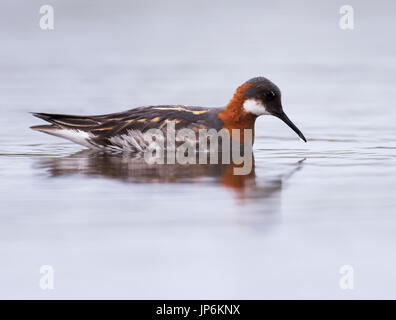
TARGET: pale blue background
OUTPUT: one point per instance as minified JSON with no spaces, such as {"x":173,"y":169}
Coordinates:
{"x":111,"y":238}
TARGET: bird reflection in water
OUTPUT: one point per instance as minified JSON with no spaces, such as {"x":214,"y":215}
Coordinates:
{"x":132,"y":168}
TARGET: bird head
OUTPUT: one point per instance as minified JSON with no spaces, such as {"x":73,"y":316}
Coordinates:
{"x":262,"y":97}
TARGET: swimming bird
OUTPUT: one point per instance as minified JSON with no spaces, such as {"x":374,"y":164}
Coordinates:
{"x":126,"y":130}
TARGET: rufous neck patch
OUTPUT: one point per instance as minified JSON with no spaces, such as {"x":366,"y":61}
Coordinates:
{"x":234,"y":116}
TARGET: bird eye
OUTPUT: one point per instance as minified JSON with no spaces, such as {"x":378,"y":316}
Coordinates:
{"x":270,"y":95}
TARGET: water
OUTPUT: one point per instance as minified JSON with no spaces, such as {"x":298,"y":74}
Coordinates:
{"x":112,"y":227}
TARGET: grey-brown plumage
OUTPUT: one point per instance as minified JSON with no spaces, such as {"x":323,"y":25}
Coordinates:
{"x":121,"y":130}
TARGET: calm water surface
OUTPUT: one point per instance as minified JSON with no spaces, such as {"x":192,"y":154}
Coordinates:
{"x":112,"y":227}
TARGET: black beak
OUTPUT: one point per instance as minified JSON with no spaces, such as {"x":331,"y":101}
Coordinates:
{"x":286,"y":120}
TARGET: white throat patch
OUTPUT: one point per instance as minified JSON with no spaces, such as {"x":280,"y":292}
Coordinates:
{"x":254,"y":106}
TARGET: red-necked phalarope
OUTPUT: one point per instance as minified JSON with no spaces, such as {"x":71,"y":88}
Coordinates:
{"x":125,"y":130}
